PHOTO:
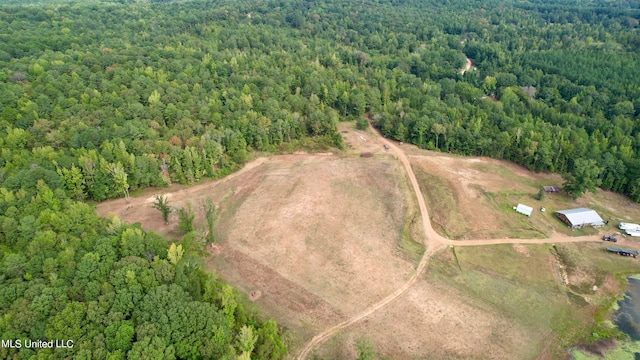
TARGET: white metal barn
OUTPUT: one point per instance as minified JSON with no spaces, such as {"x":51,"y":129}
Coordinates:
{"x":523,"y":209}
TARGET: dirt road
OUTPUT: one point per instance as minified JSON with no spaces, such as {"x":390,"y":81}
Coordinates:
{"x":467,"y":66}
{"x":119,"y":207}
{"x":434,"y":243}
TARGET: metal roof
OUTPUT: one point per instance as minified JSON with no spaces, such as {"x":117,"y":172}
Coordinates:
{"x":524,"y":209}
{"x":582,"y":216}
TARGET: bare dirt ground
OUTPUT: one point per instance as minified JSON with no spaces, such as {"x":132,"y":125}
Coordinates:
{"x":467,"y":66}
{"x":436,"y":322}
{"x":337,"y":215}
{"x":316,"y":236}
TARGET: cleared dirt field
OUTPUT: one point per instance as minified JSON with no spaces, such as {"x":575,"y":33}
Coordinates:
{"x":436,"y":322}
{"x":316,"y":237}
{"x":329,"y":227}
{"x":328,"y":244}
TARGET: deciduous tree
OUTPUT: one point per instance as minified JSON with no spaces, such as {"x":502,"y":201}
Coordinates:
{"x":583,"y":178}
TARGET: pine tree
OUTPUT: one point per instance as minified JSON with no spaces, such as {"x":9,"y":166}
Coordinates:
{"x":209,"y":213}
{"x":185,"y":218}
{"x":162,"y":203}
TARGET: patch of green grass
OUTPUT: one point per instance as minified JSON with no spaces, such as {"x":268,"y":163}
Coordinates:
{"x":534,"y":307}
{"x":442,"y":204}
{"x":503,"y":171}
{"x":579,"y":355}
{"x":409,"y":247}
{"x":521,"y":285}
{"x":594,"y":257}
{"x":522,"y":288}
{"x":513,"y":224}
{"x":625,"y":350}
{"x":228,"y":207}
{"x":531,"y":266}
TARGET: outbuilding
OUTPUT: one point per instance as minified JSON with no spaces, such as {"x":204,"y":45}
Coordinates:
{"x":579,"y":217}
{"x":523,"y":209}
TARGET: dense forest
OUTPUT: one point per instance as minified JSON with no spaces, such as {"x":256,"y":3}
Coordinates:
{"x":101,"y":98}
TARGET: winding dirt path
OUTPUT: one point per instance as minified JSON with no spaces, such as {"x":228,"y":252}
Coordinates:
{"x":434,"y":243}
{"x":467,"y":66}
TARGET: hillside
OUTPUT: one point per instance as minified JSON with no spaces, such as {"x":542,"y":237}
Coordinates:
{"x":108,"y":100}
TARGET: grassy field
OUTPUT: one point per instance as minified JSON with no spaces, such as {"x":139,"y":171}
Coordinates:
{"x":473,"y":198}
{"x":498,"y":302}
{"x":523,"y":283}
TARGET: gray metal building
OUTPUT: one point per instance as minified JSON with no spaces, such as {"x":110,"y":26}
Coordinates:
{"x":579,"y":217}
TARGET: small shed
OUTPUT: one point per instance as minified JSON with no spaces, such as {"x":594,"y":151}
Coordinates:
{"x":579,"y":217}
{"x":523,"y":209}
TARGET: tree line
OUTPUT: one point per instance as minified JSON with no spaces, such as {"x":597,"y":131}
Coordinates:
{"x":191,"y":96}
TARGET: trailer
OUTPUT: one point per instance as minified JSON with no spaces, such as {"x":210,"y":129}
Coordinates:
{"x":633,"y":233}
{"x":629,"y":226}
{"x":623,"y":252}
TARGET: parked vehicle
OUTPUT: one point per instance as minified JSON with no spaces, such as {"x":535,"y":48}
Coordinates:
{"x":609,"y":238}
{"x":623,"y":252}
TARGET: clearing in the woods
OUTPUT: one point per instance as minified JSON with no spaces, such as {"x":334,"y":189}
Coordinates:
{"x":328,"y":245}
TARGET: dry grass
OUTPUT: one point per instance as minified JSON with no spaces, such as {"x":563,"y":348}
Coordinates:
{"x":492,"y":302}
{"x":321,"y":237}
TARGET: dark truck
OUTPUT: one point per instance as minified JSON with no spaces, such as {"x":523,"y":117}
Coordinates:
{"x":609,"y":238}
